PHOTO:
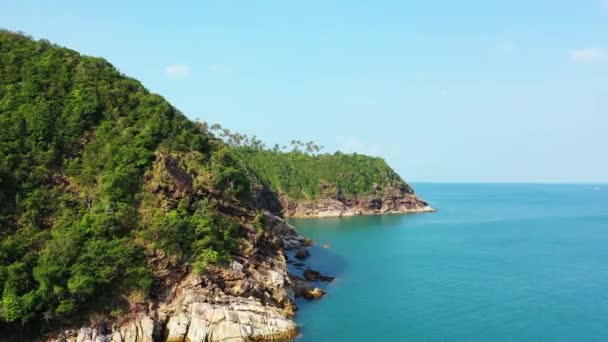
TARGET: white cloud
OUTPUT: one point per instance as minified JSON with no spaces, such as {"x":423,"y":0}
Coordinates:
{"x":177,"y":70}
{"x":220,"y":68}
{"x":354,"y":145}
{"x":587,"y":55}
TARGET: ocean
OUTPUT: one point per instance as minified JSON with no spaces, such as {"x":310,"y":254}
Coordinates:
{"x":497,"y":262}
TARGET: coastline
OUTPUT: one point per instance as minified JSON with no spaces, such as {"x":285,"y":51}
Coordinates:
{"x":173,"y":234}
{"x":254,"y":299}
{"x":370,"y":205}
{"x":354,"y":213}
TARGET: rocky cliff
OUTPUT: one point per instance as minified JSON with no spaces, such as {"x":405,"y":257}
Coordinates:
{"x":251,"y":300}
{"x":385,"y":201}
{"x":296,"y":184}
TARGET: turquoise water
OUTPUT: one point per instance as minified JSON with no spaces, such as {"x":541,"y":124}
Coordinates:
{"x":496,"y":263}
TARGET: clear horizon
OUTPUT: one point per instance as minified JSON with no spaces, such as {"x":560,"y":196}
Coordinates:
{"x":467,"y":92}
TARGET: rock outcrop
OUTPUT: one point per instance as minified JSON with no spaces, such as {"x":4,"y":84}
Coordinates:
{"x":229,"y":319}
{"x":400,"y":200}
{"x":196,"y":317}
{"x":251,"y":300}
{"x":312,"y":275}
{"x":305,"y":289}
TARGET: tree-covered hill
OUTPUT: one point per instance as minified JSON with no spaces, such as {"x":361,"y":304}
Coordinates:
{"x":303,"y":176}
{"x":301,"y":172}
{"x":99,"y":178}
{"x":81,"y":187}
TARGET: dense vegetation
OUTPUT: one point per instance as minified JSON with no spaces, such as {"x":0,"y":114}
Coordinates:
{"x":303,"y":176}
{"x":97,"y":174}
{"x":77,"y":144}
{"x":301,"y":172}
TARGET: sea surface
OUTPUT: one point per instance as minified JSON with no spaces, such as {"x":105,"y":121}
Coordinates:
{"x":497,"y":262}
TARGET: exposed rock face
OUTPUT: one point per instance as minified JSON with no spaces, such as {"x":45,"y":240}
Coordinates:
{"x":196,"y":319}
{"x":251,"y":300}
{"x":400,"y":200}
{"x":306,"y":290}
{"x":312,"y":275}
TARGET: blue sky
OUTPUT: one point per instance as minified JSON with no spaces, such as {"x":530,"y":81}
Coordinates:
{"x":471,"y":90}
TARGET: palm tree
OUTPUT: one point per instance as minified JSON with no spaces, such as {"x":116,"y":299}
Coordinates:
{"x":294,"y":143}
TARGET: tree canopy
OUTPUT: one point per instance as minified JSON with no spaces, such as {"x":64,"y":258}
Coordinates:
{"x":302,"y":176}
{"x":77,"y":144}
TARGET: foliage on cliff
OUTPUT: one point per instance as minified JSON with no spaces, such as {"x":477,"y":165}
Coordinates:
{"x":97,"y":175}
{"x":301,"y":172}
{"x":303,"y":176}
{"x":78,"y":142}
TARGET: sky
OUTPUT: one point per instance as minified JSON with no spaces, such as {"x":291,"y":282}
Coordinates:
{"x":463,"y":91}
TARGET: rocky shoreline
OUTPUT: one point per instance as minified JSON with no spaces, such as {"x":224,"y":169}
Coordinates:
{"x":252,"y":300}
{"x":391,"y":201}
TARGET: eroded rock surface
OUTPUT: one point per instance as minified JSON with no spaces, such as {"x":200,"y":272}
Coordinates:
{"x":306,"y":290}
{"x":253,"y":299}
{"x":388,"y":200}
{"x":312,"y":275}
